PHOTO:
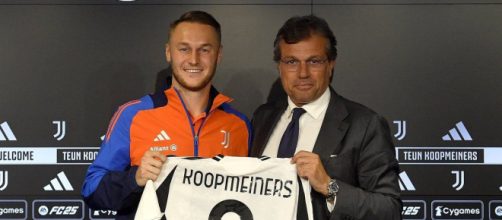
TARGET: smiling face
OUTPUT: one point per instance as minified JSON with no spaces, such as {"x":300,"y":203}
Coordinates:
{"x":310,"y":78}
{"x":193,"y":51}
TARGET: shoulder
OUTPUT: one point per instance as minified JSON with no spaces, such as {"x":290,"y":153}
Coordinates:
{"x":132,"y":107}
{"x":227,"y":108}
{"x":145,"y":104}
{"x":126,"y":112}
{"x":358,"y":113}
{"x":268,"y":108}
{"x":364,"y":115}
{"x":356,"y":108}
{"x":129,"y":110}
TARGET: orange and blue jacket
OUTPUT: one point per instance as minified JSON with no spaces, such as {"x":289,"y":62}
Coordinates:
{"x":159,"y":122}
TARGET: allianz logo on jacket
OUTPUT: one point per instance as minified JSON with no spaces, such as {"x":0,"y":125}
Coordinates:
{"x":163,"y":136}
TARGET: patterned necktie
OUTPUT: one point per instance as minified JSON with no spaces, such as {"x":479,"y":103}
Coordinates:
{"x":289,"y":139}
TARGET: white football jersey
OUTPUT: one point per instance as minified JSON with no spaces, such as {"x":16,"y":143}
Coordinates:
{"x":244,"y":188}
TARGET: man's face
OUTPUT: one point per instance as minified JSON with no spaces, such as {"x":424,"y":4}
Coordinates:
{"x":194,"y":52}
{"x":305,"y":69}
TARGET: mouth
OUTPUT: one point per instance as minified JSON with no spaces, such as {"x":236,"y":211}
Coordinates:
{"x":193,"y":70}
{"x":304,"y":86}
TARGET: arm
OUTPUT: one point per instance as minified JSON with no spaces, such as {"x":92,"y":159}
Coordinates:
{"x":378,"y":195}
{"x":110,"y":180}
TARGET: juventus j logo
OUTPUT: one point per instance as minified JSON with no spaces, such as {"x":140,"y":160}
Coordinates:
{"x":4,"y":179}
{"x":401,"y":130}
{"x":459,"y":179}
{"x":226,"y":138}
{"x":61,"y":130}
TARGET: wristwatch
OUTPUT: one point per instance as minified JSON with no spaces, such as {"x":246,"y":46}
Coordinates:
{"x":332,"y":190}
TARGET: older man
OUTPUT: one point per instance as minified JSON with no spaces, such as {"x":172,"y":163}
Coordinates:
{"x":343,"y":148}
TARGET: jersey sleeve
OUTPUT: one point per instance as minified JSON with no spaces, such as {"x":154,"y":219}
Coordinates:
{"x":110,"y":180}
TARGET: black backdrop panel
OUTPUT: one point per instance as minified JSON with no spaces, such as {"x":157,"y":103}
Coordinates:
{"x":431,"y":68}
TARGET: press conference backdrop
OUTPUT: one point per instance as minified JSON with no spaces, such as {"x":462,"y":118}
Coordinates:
{"x":432,"y":68}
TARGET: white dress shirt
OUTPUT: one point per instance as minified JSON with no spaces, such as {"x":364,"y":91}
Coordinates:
{"x":310,"y":125}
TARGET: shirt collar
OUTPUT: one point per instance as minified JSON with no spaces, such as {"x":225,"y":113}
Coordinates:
{"x":315,"y":108}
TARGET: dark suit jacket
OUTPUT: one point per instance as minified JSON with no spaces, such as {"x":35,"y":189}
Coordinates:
{"x":356,"y":149}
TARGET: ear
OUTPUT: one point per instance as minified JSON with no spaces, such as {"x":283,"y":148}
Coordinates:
{"x":220,"y":54}
{"x":168,"y":53}
{"x":332,"y":65}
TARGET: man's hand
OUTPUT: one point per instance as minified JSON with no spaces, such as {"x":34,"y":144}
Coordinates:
{"x":309,"y":166}
{"x":150,"y":166}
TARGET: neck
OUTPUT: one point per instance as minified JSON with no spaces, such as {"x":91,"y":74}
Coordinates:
{"x":195,"y":101}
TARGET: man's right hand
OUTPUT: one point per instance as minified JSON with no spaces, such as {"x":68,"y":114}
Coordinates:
{"x":150,"y":166}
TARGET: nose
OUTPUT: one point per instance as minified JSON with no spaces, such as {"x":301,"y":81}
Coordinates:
{"x":304,"y":70}
{"x":194,"y":57}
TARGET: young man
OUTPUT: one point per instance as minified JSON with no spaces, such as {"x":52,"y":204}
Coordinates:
{"x":189,"y":119}
{"x":343,"y":148}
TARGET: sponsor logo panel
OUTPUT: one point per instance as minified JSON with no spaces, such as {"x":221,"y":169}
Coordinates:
{"x":495,"y":209}
{"x":58,"y":209}
{"x":102,"y":214}
{"x":457,"y":209}
{"x":13,"y":209}
{"x":414,"y":209}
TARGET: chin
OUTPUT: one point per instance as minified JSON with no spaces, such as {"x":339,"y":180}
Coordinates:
{"x":301,"y":101}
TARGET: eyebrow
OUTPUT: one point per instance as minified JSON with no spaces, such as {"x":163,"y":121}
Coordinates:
{"x":201,"y":46}
{"x":309,"y":58}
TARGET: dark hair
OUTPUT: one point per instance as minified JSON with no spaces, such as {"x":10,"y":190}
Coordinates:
{"x":200,"y":17}
{"x":299,"y":28}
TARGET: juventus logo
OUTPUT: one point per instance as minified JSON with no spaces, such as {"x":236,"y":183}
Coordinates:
{"x":4,"y":179}
{"x":226,"y":138}
{"x":61,"y":130}
{"x":459,"y":179}
{"x":401,"y":130}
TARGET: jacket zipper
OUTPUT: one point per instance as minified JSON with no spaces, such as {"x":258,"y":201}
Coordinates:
{"x":192,"y":128}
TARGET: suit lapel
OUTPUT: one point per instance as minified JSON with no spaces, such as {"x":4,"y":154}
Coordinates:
{"x":333,"y":127}
{"x":270,"y":121}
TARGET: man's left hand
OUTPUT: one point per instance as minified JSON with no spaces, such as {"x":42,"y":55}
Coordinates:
{"x":309,"y":166}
